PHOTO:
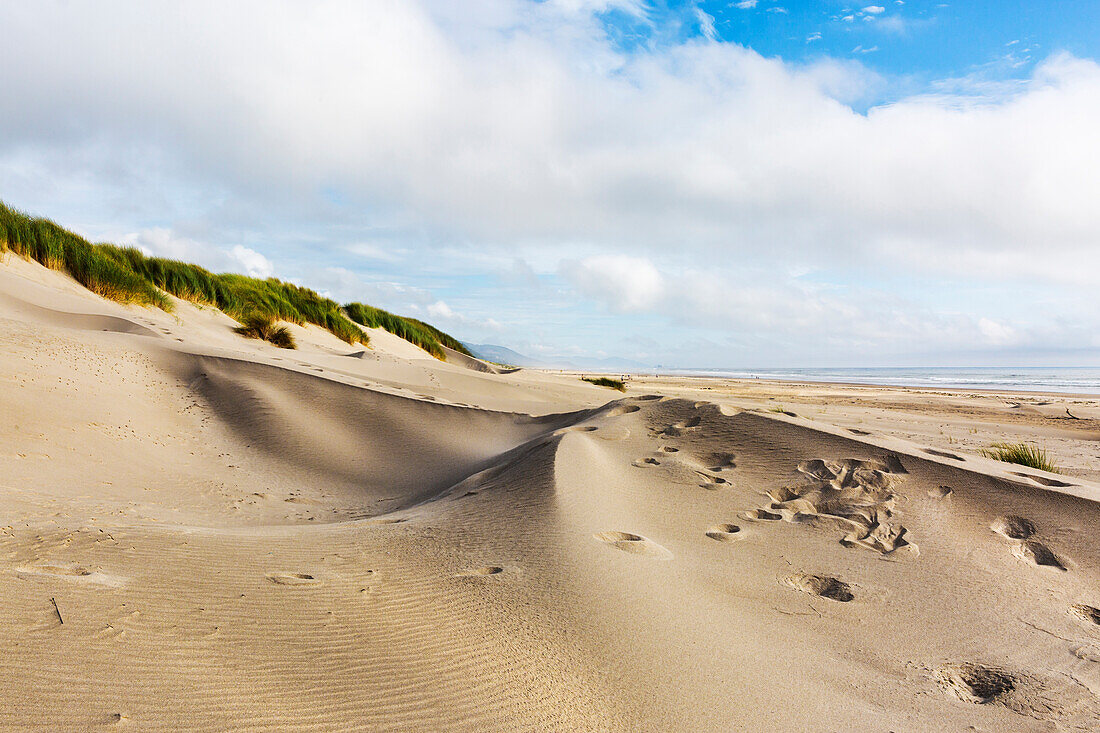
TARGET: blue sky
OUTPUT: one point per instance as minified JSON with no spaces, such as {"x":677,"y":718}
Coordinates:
{"x":690,"y":184}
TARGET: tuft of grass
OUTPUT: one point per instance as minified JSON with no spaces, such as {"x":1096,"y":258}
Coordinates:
{"x":605,"y":382}
{"x":127,"y":275}
{"x":1024,"y":454}
{"x":258,"y":326}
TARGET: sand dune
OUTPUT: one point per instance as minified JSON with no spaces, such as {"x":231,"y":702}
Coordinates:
{"x":203,"y":532}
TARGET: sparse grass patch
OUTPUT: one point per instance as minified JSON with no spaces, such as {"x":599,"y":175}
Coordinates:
{"x":605,"y":382}
{"x":1024,"y":454}
{"x":257,"y":326}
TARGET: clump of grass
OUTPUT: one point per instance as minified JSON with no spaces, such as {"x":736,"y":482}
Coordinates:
{"x":605,"y":382}
{"x":258,"y":326}
{"x":1024,"y":454}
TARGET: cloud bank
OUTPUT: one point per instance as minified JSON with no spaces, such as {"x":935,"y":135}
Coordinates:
{"x":282,"y":132}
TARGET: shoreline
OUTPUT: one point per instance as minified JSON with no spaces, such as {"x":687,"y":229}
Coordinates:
{"x":636,"y":376}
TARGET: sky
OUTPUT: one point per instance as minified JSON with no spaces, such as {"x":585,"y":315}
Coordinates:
{"x":692,"y":184}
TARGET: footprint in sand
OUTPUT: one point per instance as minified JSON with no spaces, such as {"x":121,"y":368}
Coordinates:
{"x":1089,"y":614}
{"x":643,"y":462}
{"x":293,"y":579}
{"x":621,"y":410}
{"x":677,"y":429}
{"x":824,"y":586}
{"x":853,"y":495}
{"x":1031,"y":551}
{"x":1036,"y":553}
{"x":670,"y":449}
{"x":757,"y":515}
{"x":482,"y":572}
{"x":69,"y":571}
{"x":711,"y":482}
{"x":942,"y":454}
{"x":975,"y":683}
{"x":857,"y":431}
{"x":1013,"y":527}
{"x":722,"y":461}
{"x":576,"y":429}
{"x":941,"y":492}
{"x":633,"y":543}
{"x":724,"y":532}
{"x":1051,"y":482}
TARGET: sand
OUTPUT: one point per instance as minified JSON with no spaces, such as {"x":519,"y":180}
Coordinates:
{"x":205,"y":532}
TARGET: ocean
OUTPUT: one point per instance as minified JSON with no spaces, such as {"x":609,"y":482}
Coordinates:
{"x":1071,"y":380}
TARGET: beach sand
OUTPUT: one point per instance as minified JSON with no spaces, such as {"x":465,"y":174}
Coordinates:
{"x":204,"y":532}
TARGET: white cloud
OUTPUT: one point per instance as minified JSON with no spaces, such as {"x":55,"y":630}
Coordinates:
{"x":776,"y":9}
{"x":439,"y":309}
{"x":163,"y":242}
{"x":444,"y":315}
{"x":706,"y":24}
{"x":745,"y":4}
{"x":813,"y":37}
{"x":874,"y":9}
{"x":254,"y":263}
{"x":625,"y":283}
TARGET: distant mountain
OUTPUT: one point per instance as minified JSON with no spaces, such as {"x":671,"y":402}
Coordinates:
{"x":504,"y":355}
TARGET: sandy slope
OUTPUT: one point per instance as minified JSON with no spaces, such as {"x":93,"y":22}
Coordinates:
{"x":238,"y":537}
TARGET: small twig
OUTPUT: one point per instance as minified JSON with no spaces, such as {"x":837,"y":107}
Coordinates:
{"x":1071,"y":415}
{"x":1040,"y":628}
{"x":57,"y":610}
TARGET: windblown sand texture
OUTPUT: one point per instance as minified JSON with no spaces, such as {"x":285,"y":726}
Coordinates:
{"x":204,"y":532}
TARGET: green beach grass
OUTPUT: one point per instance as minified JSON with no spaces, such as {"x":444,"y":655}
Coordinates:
{"x":126,"y":275}
{"x":1024,"y":454}
{"x":605,"y":382}
{"x":265,"y":328}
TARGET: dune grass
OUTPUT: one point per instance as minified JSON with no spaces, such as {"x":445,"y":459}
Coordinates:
{"x":1024,"y":454}
{"x":264,"y":327}
{"x":605,"y":382}
{"x":127,"y":275}
{"x":417,"y":332}
{"x":95,"y":266}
